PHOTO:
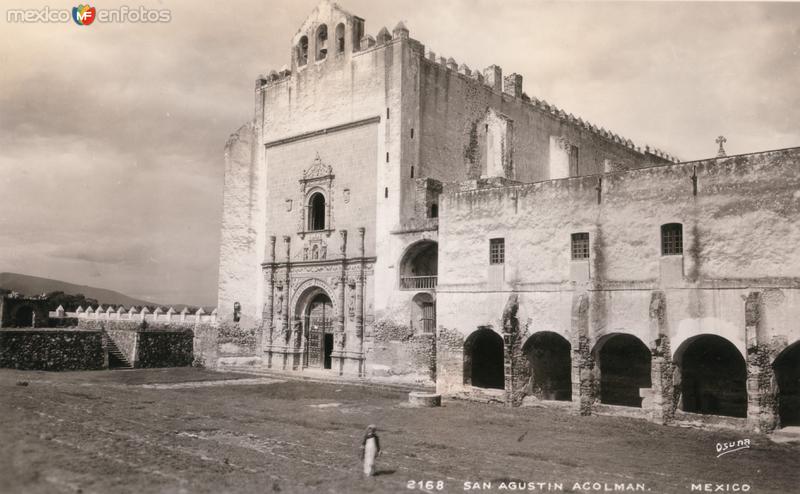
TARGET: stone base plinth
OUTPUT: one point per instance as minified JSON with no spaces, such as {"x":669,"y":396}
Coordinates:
{"x":424,"y":400}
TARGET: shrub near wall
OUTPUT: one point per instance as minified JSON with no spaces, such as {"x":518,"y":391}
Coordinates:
{"x":52,"y":350}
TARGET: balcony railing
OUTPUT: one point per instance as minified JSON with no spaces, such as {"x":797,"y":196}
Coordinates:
{"x":418,"y":282}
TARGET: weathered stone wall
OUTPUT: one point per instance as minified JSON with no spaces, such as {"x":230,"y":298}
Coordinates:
{"x":242,"y":219}
{"x":453,"y":131}
{"x":735,"y":230}
{"x":166,"y":344}
{"x":235,"y":340}
{"x":350,"y":195}
{"x":52,"y":350}
{"x":165,"y":349}
{"x":399,"y":350}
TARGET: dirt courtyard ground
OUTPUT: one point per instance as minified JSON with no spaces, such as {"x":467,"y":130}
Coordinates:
{"x":174,"y":431}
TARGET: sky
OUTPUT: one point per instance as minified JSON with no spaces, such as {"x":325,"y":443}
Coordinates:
{"x":112,"y":134}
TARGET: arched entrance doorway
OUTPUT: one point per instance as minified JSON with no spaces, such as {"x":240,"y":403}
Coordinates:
{"x":624,"y":369}
{"x":318,"y":329}
{"x":548,"y":356}
{"x":787,"y":375}
{"x":483,"y":360}
{"x":23,"y":318}
{"x":713,"y":377}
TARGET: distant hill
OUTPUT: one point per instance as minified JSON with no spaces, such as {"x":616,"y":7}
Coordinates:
{"x":33,"y":285}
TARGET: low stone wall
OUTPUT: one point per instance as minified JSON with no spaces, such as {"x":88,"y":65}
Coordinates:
{"x":52,"y":350}
{"x":165,"y":349}
{"x":156,"y":344}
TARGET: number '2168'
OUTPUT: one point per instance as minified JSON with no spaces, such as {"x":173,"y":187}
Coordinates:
{"x":428,"y":485}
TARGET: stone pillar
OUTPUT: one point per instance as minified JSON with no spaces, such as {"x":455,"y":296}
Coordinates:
{"x":510,"y":349}
{"x":762,"y":397}
{"x":285,"y":329}
{"x":296,"y":341}
{"x":269,"y":305}
{"x":584,"y":384}
{"x":339,"y":340}
{"x":661,"y":401}
{"x":359,"y":316}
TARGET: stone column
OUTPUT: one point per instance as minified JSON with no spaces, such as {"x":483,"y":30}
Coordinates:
{"x":511,"y":350}
{"x":339,"y":340}
{"x":359,"y":308}
{"x":269,"y":305}
{"x":584,"y":385}
{"x":660,"y":402}
{"x":296,"y":339}
{"x":762,"y":397}
{"x":285,"y":329}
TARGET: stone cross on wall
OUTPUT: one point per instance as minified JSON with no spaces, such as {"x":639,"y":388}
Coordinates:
{"x":721,"y":140}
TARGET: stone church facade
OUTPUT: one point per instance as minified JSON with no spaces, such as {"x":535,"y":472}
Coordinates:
{"x":392,"y":214}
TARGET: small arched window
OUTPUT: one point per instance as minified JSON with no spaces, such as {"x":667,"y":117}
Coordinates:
{"x":322,"y":42}
{"x":316,"y":212}
{"x":340,"y":38}
{"x":302,"y":51}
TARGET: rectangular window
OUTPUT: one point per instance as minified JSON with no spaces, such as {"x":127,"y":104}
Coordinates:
{"x":671,"y":239}
{"x":387,"y":113}
{"x":580,"y":246}
{"x":412,"y":133}
{"x":497,"y":251}
{"x":387,"y":156}
{"x":412,"y":172}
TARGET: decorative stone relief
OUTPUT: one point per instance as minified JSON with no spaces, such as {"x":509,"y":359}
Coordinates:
{"x":316,"y":249}
{"x":318,"y":178}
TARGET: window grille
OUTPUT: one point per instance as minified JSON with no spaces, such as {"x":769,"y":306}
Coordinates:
{"x":580,"y":246}
{"x":497,"y":251}
{"x":671,"y":239}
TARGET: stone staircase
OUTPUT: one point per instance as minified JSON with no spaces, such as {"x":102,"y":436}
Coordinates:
{"x":786,"y":435}
{"x":116,"y":359}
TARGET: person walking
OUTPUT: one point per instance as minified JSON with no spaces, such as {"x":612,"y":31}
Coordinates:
{"x":370,"y":449}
